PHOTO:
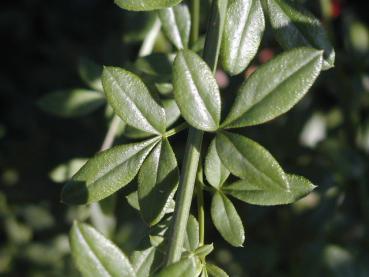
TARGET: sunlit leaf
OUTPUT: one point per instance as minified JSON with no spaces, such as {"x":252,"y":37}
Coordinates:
{"x":146,"y":5}
{"x":216,"y":173}
{"x":107,"y":172}
{"x":95,"y":255}
{"x":243,"y":31}
{"x":275,"y":87}
{"x":196,"y":91}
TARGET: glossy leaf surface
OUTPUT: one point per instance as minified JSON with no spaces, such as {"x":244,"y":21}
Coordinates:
{"x":245,"y":158}
{"x":275,"y":88}
{"x":95,"y":255}
{"x":249,"y":191}
{"x":196,"y":91}
{"x":176,"y":24}
{"x":158,"y":180}
{"x":107,"y":172}
{"x":71,"y":103}
{"x":146,"y":5}
{"x":216,"y":173}
{"x":226,"y":219}
{"x":131,"y":100}
{"x":295,"y":27}
{"x":142,"y":261}
{"x":243,"y":31}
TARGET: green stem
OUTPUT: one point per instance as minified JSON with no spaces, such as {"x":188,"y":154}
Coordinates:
{"x":195,"y":21}
{"x":194,"y":141}
{"x":200,"y":208}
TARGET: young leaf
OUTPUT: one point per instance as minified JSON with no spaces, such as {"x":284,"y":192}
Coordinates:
{"x":157,"y":182}
{"x":176,"y":24}
{"x":71,"y":103}
{"x":145,"y":5}
{"x":192,"y":234}
{"x":95,"y":255}
{"x":275,"y":88}
{"x":142,"y":261}
{"x":246,"y":159}
{"x":90,"y":73}
{"x":131,"y":100}
{"x":294,"y":27}
{"x":243,"y":30}
{"x":216,"y":173}
{"x":184,"y":268}
{"x":215,"y":271}
{"x":107,"y":172}
{"x":196,"y":91}
{"x":252,"y":192}
{"x":226,"y":219}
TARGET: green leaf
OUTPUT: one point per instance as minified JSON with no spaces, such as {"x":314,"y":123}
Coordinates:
{"x":71,"y":103}
{"x":215,"y":271}
{"x":90,"y":73}
{"x":204,"y":250}
{"x":196,"y":91}
{"x":132,"y":200}
{"x":156,"y":64}
{"x":65,"y":171}
{"x":191,"y":241}
{"x":95,"y":255}
{"x":247,"y":159}
{"x":295,"y":27}
{"x":226,"y":219}
{"x":184,"y":268}
{"x":146,"y":5}
{"x":176,"y":24}
{"x":243,"y":31}
{"x":142,"y":261}
{"x":289,"y":76}
{"x":157,"y":182}
{"x":106,"y":173}
{"x":216,"y":173}
{"x":252,"y":192}
{"x":131,"y":100}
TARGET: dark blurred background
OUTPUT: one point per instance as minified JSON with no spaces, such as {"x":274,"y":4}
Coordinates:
{"x":48,"y":46}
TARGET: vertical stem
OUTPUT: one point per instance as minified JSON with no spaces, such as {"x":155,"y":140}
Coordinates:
{"x":194,"y":141}
{"x":195,"y":21}
{"x":200,"y":208}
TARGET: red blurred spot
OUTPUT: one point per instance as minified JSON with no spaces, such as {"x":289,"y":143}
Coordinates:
{"x":265,"y":55}
{"x":336,"y":8}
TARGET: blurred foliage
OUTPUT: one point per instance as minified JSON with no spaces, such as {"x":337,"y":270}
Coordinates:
{"x":49,"y":45}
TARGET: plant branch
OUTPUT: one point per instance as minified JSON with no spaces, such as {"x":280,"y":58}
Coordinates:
{"x":194,"y":141}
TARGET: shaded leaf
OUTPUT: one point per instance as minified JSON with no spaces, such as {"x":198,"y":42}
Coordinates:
{"x":247,"y":159}
{"x":196,"y":91}
{"x":157,"y":182}
{"x":243,"y":31}
{"x":131,"y":100}
{"x":176,"y":24}
{"x":90,"y":73}
{"x":216,"y":173}
{"x":107,"y":172}
{"x":289,"y":76}
{"x":294,"y":26}
{"x":146,"y":5}
{"x":65,"y":171}
{"x":142,"y":261}
{"x":71,"y":103}
{"x":191,"y":241}
{"x":226,"y":219}
{"x":95,"y":255}
{"x":252,"y":192}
